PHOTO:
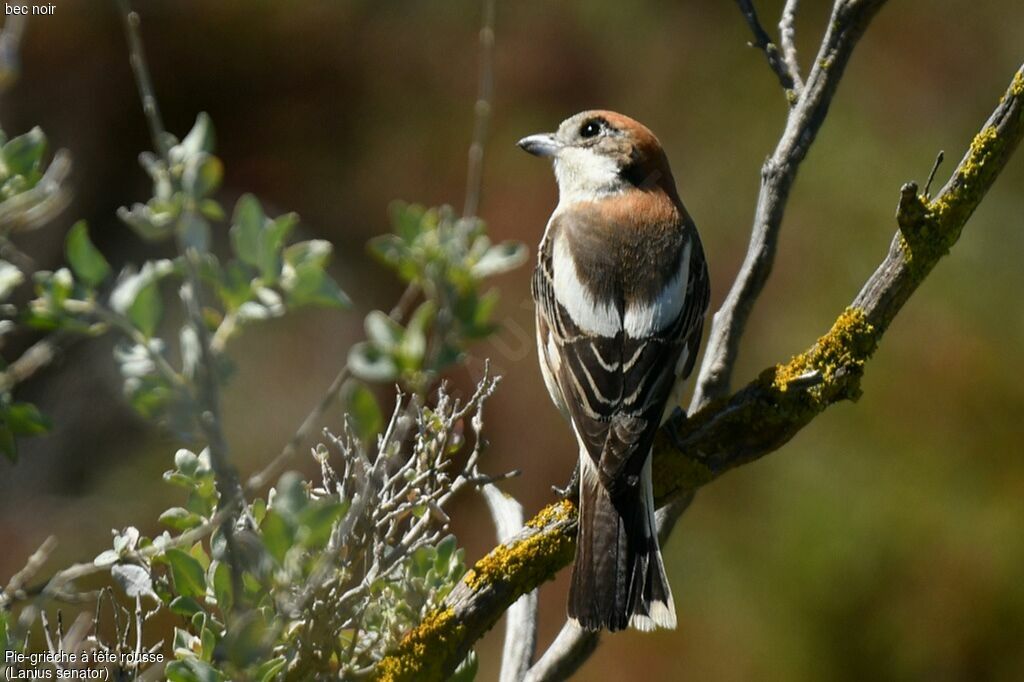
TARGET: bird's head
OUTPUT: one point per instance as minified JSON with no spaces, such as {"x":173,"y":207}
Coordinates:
{"x":597,"y":153}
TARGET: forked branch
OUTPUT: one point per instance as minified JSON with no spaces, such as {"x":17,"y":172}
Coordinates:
{"x":729,"y":432}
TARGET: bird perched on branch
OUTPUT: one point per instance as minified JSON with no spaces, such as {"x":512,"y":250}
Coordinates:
{"x":621,"y":288}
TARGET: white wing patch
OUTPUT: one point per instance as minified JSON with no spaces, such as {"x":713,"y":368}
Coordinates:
{"x":644,"y":320}
{"x":589,"y":315}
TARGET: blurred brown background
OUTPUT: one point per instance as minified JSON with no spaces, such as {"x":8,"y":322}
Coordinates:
{"x":886,"y":542}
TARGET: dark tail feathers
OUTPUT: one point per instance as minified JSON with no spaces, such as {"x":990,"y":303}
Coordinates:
{"x":618,"y":579}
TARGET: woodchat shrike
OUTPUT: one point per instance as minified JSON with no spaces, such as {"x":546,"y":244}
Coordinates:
{"x":621,"y":290}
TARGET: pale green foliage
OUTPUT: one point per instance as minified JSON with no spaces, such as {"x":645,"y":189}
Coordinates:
{"x":325,"y":575}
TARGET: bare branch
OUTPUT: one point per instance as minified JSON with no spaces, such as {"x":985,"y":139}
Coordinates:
{"x":849,"y":20}
{"x":39,"y":355}
{"x":137,"y":59}
{"x":763,"y":42}
{"x":521,"y":617}
{"x":729,"y":432}
{"x":482,"y":112}
{"x":787,"y":35}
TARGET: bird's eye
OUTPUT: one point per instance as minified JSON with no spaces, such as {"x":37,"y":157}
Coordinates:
{"x":590,"y":129}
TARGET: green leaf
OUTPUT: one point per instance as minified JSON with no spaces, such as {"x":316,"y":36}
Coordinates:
{"x":371,"y":364}
{"x":24,"y":419}
{"x":363,"y":411}
{"x":382,"y":331}
{"x":209,"y":641}
{"x":310,"y":285}
{"x":317,"y":522}
{"x":201,"y":138}
{"x":414,"y":342}
{"x":186,"y":461}
{"x":211,"y":209}
{"x":290,"y":496}
{"x":406,"y":219}
{"x":147,"y":309}
{"x":24,"y":153}
{"x":86,"y":261}
{"x":277,"y":535}
{"x":202,"y":175}
{"x":10,"y":277}
{"x":315,"y":252}
{"x":147,"y":224}
{"x":271,"y":245}
{"x":137,"y":296}
{"x":223,"y":590}
{"x":192,"y":670}
{"x":500,"y":258}
{"x":268,"y":671}
{"x":247,"y":224}
{"x":187,"y":572}
{"x":185,"y":606}
{"x":445,"y":552}
{"x":180,"y":518}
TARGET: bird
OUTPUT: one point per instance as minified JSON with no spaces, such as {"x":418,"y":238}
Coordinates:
{"x":621,"y":290}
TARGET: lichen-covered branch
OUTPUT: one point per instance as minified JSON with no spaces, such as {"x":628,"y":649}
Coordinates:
{"x":847,"y":24}
{"x":729,"y":432}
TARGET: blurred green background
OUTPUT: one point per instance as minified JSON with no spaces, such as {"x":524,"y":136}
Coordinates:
{"x":886,"y":542}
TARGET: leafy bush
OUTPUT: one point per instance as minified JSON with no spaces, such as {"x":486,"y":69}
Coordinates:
{"x":314,"y":576}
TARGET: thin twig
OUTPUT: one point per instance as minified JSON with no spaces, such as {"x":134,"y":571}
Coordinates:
{"x":787,"y":40}
{"x":848,"y":22}
{"x":32,"y":566}
{"x":137,"y":58}
{"x":763,"y":42}
{"x":931,"y":176}
{"x":482,"y":112}
{"x":36,"y":357}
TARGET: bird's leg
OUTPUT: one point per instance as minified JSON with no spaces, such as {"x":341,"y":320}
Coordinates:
{"x":572,"y":490}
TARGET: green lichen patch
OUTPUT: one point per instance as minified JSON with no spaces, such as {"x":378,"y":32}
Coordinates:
{"x":424,"y":653}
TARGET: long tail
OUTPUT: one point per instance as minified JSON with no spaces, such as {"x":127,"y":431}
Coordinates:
{"x":619,"y":578}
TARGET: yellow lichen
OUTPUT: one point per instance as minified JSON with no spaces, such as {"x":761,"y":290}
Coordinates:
{"x":846,"y":346}
{"x":530,"y":560}
{"x":424,"y":652}
{"x":559,"y":511}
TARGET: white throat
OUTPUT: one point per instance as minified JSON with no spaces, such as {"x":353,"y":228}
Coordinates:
{"x":585,"y":176}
